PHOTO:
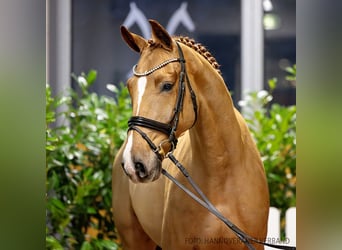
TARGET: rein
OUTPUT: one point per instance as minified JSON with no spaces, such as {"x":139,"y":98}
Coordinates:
{"x":170,"y":129}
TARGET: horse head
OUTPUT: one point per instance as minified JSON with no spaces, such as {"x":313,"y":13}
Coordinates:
{"x":162,"y":109}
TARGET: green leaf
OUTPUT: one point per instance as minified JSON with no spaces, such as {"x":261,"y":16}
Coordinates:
{"x":272,"y":83}
{"x":292,"y":73}
{"x":91,"y":77}
{"x":86,"y":246}
{"x":109,"y":245}
{"x":50,"y":147}
{"x":52,"y":243}
{"x":91,"y":210}
{"x":291,"y":70}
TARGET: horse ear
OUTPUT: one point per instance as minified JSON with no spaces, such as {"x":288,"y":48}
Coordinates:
{"x":134,"y":41}
{"x":159,"y":34}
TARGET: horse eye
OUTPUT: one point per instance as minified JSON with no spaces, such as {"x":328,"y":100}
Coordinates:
{"x":167,"y":86}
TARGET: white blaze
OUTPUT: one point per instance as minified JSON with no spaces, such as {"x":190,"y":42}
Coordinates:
{"x":141,"y":89}
{"x":127,"y":155}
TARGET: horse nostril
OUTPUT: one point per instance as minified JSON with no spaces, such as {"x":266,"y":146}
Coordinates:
{"x":123,"y":168}
{"x":140,"y":169}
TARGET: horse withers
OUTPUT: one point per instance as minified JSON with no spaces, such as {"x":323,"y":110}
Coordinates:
{"x":181,"y":105}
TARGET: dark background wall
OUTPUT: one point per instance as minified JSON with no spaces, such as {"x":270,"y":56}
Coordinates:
{"x":97,"y":44}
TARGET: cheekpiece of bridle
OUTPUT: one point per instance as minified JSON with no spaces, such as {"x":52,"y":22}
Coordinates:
{"x":169,"y":128}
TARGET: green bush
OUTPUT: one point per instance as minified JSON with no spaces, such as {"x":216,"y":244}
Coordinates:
{"x":79,"y":156}
{"x":274,"y":129}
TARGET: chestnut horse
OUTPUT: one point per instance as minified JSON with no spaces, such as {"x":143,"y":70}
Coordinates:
{"x":198,"y":123}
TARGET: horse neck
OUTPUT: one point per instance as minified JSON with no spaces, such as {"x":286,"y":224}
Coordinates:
{"x":216,"y":136}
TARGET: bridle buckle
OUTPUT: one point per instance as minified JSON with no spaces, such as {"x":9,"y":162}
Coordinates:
{"x":160,"y":150}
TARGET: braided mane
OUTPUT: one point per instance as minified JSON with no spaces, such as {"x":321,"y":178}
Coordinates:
{"x":200,"y":49}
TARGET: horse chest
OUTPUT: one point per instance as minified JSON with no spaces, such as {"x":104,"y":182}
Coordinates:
{"x":147,"y":203}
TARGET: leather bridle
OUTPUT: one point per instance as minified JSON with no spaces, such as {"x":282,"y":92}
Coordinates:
{"x":170,"y":129}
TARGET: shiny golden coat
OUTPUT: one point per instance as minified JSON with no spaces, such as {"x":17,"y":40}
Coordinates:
{"x":218,"y":151}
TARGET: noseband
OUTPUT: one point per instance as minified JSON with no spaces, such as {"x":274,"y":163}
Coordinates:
{"x":169,"y":128}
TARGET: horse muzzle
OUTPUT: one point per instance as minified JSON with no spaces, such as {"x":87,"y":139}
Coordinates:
{"x":141,"y":167}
